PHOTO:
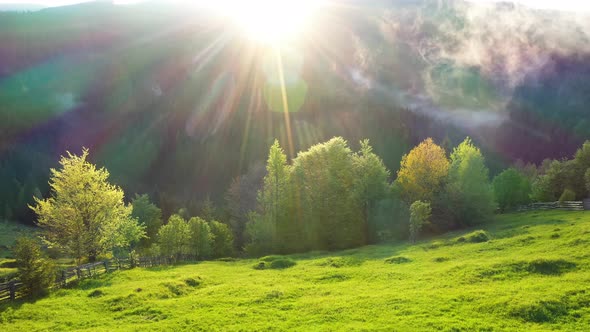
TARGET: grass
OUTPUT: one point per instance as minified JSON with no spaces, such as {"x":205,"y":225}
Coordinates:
{"x":522,"y":278}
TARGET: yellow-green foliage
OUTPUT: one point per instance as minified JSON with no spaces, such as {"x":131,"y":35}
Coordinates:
{"x":521,"y":279}
{"x":85,"y":215}
{"x":422,"y":172}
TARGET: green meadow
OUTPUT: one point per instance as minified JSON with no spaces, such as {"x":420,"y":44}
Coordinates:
{"x":524,"y":271}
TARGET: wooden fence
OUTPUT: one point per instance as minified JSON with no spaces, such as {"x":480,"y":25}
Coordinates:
{"x":14,"y":289}
{"x":568,"y":206}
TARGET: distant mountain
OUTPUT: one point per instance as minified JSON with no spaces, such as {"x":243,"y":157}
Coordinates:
{"x":20,"y":7}
{"x":176,"y":103}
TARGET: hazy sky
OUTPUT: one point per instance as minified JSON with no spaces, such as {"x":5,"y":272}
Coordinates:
{"x":569,"y":5}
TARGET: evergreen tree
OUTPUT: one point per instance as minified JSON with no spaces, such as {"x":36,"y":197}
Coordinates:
{"x":273,"y":198}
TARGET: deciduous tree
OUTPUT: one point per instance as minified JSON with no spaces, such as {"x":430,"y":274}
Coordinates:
{"x":85,"y":211}
{"x":422,"y":172}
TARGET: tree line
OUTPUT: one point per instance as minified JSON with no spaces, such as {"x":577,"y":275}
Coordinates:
{"x":328,"y":197}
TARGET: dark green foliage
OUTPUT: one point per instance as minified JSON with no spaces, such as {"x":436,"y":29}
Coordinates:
{"x":540,"y":312}
{"x":420,"y":213}
{"x":241,"y":200}
{"x":282,"y":263}
{"x":338,"y":262}
{"x":260,"y":234}
{"x":222,"y":245}
{"x":511,"y":189}
{"x":150,"y":216}
{"x":96,"y":293}
{"x":567,"y":195}
{"x":550,"y":266}
{"x":587,"y":179}
{"x":193,"y":282}
{"x":398,"y":260}
{"x":275,"y":263}
{"x":35,"y":272}
{"x":440,"y":259}
{"x":474,"y":237}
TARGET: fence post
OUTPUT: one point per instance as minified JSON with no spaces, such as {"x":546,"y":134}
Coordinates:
{"x":12,"y":289}
{"x":78,"y":273}
{"x":64,"y":277}
{"x":106,"y":266}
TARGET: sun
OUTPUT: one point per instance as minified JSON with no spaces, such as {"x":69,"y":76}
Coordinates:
{"x":271,"y":21}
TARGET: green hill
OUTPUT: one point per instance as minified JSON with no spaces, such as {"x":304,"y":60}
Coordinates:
{"x":527,"y":271}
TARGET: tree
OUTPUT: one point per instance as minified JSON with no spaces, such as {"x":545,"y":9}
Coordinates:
{"x":587,"y":178}
{"x":208,"y":210}
{"x":148,"y":215}
{"x":327,"y":209}
{"x":511,"y":189}
{"x":567,"y":196}
{"x":371,"y":185}
{"x":241,"y":199}
{"x":471,"y":199}
{"x":260,"y":232}
{"x":174,"y":237}
{"x":555,"y":178}
{"x":422,"y":172}
{"x":201,"y":238}
{"x":84,"y":210}
{"x":420,"y":213}
{"x":35,"y":272}
{"x":273,"y":197}
{"x":222,"y":239}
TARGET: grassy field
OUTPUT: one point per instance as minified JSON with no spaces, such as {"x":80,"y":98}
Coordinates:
{"x":527,"y":272}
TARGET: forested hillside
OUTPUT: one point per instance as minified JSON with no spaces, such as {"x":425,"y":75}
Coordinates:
{"x":176,"y":104}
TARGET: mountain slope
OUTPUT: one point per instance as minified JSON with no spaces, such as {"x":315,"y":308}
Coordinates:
{"x":532,"y":275}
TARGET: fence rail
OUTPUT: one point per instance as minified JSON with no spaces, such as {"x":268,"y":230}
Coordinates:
{"x":568,"y":206}
{"x":15,"y":289}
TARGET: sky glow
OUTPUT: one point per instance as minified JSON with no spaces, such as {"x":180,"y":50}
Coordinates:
{"x":565,"y":5}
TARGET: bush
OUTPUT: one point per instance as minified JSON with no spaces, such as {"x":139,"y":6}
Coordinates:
{"x":282,"y":263}
{"x":275,"y":264}
{"x":35,"y":272}
{"x":474,"y":237}
{"x":397,"y":260}
{"x":567,"y":196}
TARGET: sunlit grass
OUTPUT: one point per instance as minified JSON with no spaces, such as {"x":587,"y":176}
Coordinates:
{"x":531,"y":273}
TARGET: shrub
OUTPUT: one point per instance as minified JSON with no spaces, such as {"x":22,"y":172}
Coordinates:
{"x":282,"y":263}
{"x":193,"y":282}
{"x":275,"y":264}
{"x":567,"y":196}
{"x":35,"y":272}
{"x":474,"y":237}
{"x":397,"y":260}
